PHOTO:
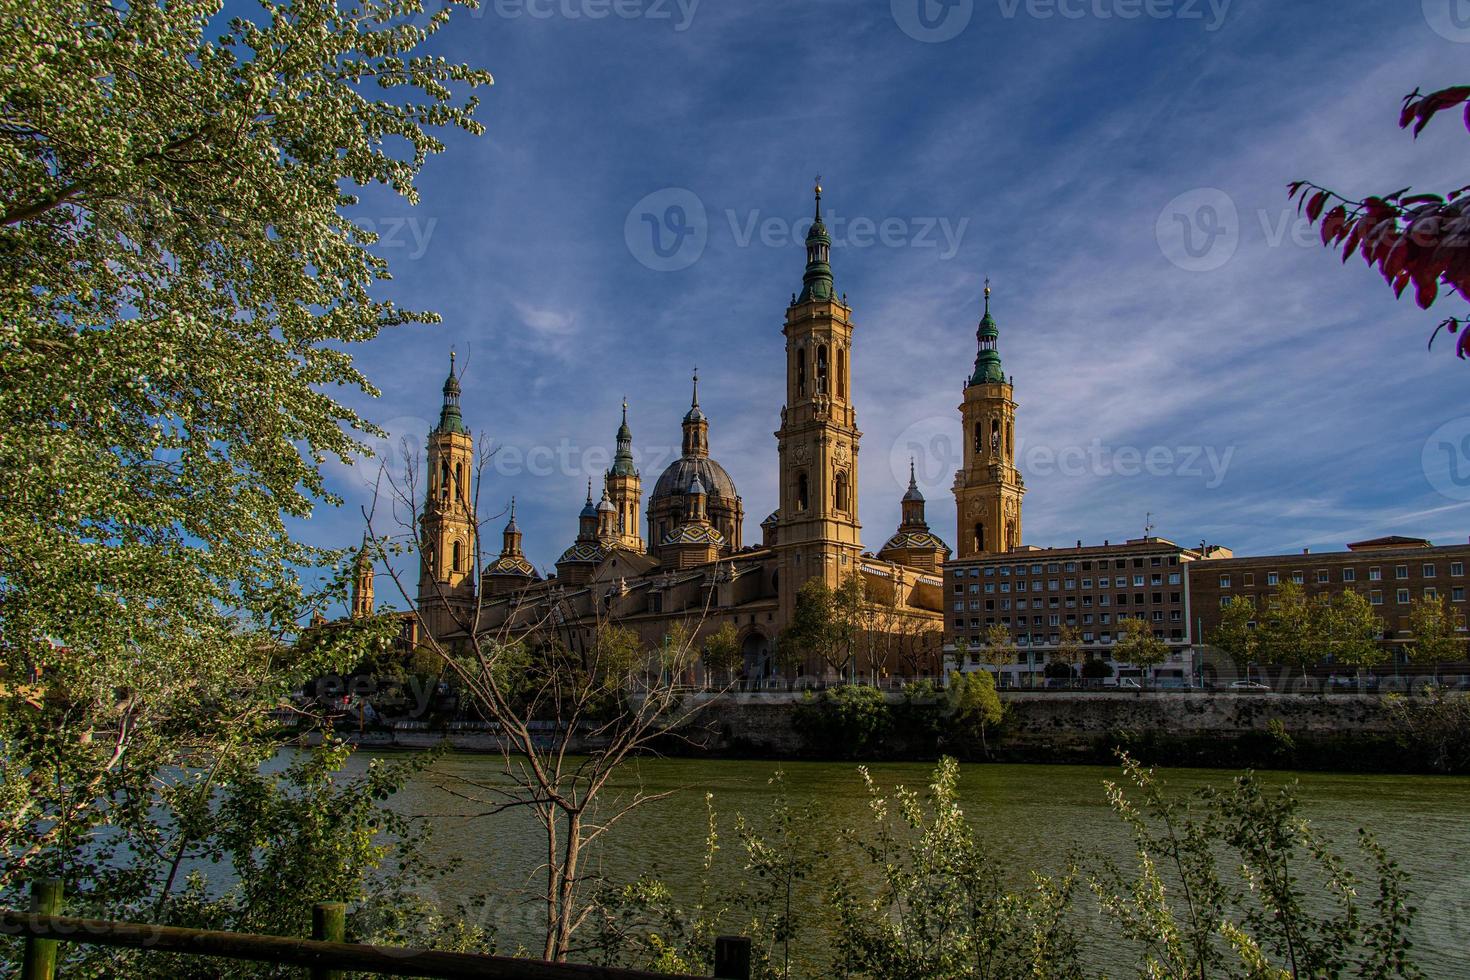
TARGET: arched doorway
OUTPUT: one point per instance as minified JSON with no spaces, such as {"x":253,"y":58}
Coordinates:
{"x":755,"y":655}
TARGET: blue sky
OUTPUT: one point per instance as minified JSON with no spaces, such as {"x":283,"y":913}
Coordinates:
{"x":1253,"y":392}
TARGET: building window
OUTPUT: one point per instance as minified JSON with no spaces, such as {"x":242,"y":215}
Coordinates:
{"x":801,"y":372}
{"x":1401,"y":571}
{"x":1224,"y":601}
{"x":1375,"y":597}
{"x":1428,"y":570}
{"x":1402,"y":597}
{"x":803,"y":492}
{"x":1248,"y":578}
{"x":457,"y":556}
{"x":1323,"y":577}
{"x":1224,"y":581}
{"x":1431,"y":593}
{"x":840,"y":491}
{"x":1375,"y":574}
{"x":822,"y":369}
{"x":1457,"y":594}
{"x":1349,"y":574}
{"x":1273,"y":578}
{"x":841,"y":373}
{"x":1297,"y":578}
{"x":979,"y":535}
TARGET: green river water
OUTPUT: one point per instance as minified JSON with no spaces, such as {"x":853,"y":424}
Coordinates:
{"x":1030,"y":815}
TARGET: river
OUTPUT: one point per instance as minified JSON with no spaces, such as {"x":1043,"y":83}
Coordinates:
{"x":1030,"y":816}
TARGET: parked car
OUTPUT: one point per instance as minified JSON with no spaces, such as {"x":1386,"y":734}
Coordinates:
{"x":1248,"y":686}
{"x":1131,"y":683}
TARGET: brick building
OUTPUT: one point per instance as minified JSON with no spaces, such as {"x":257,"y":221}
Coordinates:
{"x":1035,"y":592}
{"x":1391,"y":572}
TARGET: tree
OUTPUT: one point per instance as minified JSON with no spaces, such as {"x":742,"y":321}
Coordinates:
{"x":1434,"y":626}
{"x":566,"y":727}
{"x":183,"y":279}
{"x":1138,"y":646}
{"x":973,"y":705}
{"x":1409,"y":238}
{"x":721,"y":654}
{"x":825,"y":622}
{"x":1353,"y":631}
{"x":999,"y":646}
{"x":1236,"y":635}
{"x":1097,"y":669}
{"x":1290,"y":633}
{"x":1069,"y":651}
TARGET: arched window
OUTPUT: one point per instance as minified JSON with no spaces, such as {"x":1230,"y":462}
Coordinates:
{"x":822,"y":370}
{"x":979,"y":536}
{"x":459,"y":481}
{"x":444,"y":478}
{"x":1010,"y":440}
{"x":803,"y":496}
{"x":801,"y":372}
{"x":841,"y":373}
{"x":840,"y":491}
{"x":457,"y":556}
{"x":979,"y":438}
{"x":995,"y":437}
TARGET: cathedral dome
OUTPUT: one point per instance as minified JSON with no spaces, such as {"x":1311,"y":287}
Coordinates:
{"x":511,"y":565}
{"x":681,"y":473}
{"x":915,"y":540}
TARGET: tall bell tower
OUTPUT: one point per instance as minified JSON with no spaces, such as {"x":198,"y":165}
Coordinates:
{"x":988,"y":490}
{"x":625,"y":488}
{"x":818,"y":532}
{"x":447,"y":527}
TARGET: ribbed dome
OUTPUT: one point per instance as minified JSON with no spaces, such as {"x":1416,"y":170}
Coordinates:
{"x":682,"y":472}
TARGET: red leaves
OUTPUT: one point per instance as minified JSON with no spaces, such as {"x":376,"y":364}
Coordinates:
{"x":1423,"y":239}
{"x":1419,"y":109}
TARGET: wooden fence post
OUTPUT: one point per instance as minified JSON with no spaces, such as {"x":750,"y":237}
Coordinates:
{"x":328,"y":923}
{"x":732,"y":958}
{"x":40,"y":954}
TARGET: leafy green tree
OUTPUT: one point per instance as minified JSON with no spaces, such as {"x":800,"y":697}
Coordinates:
{"x":1353,"y":631}
{"x":721,"y":654}
{"x":1069,"y":647}
{"x":1290,"y":633}
{"x":999,"y":646}
{"x":182,"y":281}
{"x":1434,"y":625}
{"x":850,"y":722}
{"x":825,"y":623}
{"x":973,"y":706}
{"x":1236,"y":636}
{"x":1138,"y":646}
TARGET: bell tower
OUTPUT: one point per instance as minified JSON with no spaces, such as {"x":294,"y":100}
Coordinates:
{"x":362,"y":582}
{"x":625,"y":489}
{"x":447,"y":527}
{"x":818,"y":531}
{"x":988,"y":490}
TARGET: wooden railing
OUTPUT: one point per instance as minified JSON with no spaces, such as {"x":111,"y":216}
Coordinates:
{"x":325,"y":955}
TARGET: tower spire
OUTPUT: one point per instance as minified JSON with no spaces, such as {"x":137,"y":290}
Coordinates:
{"x":817,"y":280}
{"x":450,"y":419}
{"x":988,"y":369}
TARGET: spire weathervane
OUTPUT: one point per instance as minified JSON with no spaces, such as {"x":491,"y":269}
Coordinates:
{"x":818,"y":191}
{"x":695,"y":402}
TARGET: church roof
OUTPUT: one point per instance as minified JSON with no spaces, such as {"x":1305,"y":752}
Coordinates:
{"x":915,"y":540}
{"x":683,"y":471}
{"x":583,"y":551}
{"x":694,"y":534}
{"x":512,"y":565}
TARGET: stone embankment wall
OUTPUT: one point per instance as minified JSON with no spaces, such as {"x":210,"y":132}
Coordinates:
{"x":1208,"y":729}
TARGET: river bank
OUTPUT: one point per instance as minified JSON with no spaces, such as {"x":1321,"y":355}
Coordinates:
{"x":1321,"y":732}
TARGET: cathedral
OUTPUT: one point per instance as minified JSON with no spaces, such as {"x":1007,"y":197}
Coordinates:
{"x":682,"y":558}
